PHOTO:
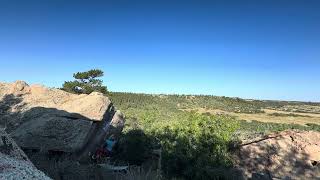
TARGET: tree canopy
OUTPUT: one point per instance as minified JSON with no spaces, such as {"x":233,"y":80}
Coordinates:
{"x":86,"y":82}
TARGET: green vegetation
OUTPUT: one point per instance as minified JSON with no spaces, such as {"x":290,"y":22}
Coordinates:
{"x":286,"y":115}
{"x":85,"y":83}
{"x":134,"y":147}
{"x":192,"y":144}
{"x":264,"y":128}
{"x":182,"y":102}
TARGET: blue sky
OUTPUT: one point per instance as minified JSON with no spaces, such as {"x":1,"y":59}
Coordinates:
{"x":267,"y":49}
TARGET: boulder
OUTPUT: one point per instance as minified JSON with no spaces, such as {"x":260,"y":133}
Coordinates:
{"x":92,"y":106}
{"x":14,"y":163}
{"x":51,"y":119}
{"x":284,"y":155}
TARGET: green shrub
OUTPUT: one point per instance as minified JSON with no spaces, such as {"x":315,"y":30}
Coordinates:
{"x":134,"y":147}
{"x":193,"y":146}
{"x":314,"y":127}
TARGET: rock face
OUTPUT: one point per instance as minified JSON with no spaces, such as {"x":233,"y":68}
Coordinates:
{"x":14,"y":163}
{"x":52,"y":119}
{"x":92,"y":106}
{"x":285,"y":155}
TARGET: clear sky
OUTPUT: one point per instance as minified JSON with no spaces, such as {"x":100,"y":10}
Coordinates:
{"x":266,"y":49}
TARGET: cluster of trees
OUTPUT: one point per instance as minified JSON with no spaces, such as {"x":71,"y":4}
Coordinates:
{"x":177,"y":102}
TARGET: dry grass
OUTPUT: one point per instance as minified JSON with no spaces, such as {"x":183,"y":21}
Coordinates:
{"x":138,"y":173}
{"x":268,"y":116}
{"x":301,"y":108}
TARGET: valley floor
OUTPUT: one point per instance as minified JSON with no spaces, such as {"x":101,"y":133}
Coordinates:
{"x":269,"y":116}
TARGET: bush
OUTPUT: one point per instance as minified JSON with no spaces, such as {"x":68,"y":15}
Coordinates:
{"x":134,"y":147}
{"x":192,"y":147}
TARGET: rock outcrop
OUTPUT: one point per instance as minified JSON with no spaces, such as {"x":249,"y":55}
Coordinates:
{"x":284,"y":155}
{"x":14,"y":164}
{"x":52,"y":119}
{"x":92,"y":106}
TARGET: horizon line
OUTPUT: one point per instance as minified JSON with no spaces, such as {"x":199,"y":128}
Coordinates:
{"x":179,"y":94}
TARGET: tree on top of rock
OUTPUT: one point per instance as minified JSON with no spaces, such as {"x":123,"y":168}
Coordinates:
{"x":85,"y":83}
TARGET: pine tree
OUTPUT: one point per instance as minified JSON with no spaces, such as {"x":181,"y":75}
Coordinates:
{"x":85,"y":83}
